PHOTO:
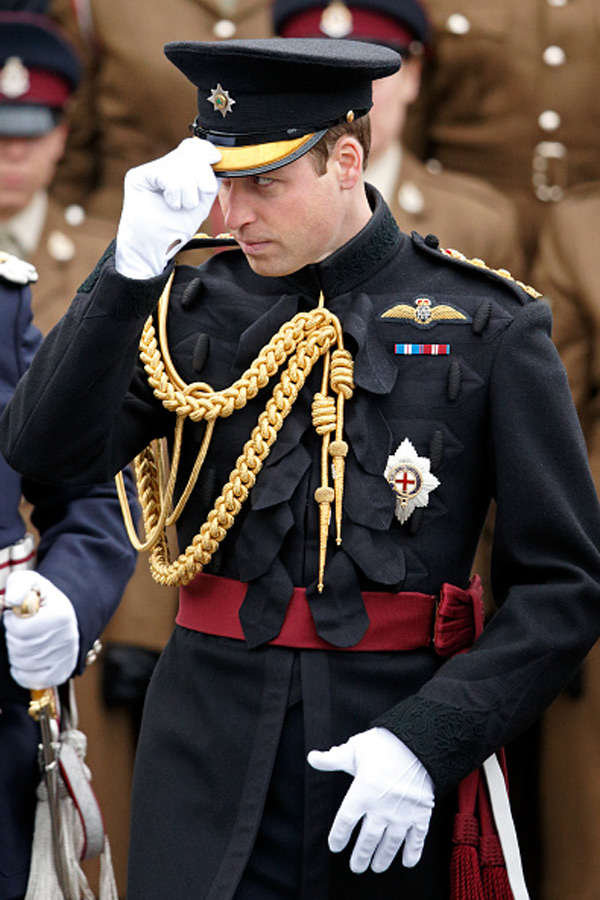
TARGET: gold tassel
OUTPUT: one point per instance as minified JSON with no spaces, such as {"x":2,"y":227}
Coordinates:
{"x":323,"y":496}
{"x":301,"y":341}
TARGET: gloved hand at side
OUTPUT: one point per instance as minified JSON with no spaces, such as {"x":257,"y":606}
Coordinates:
{"x":165,"y":202}
{"x":43,"y":648}
{"x":392,"y":790}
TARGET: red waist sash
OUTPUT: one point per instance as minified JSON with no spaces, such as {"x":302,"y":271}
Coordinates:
{"x":406,"y":620}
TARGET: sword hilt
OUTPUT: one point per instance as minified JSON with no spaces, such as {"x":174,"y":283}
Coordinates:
{"x":30,"y":605}
{"x":43,"y":702}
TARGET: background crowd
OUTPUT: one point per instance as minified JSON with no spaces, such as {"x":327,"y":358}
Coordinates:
{"x":488,"y":137}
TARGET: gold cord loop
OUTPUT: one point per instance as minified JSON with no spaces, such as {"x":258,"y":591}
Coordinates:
{"x":301,"y":341}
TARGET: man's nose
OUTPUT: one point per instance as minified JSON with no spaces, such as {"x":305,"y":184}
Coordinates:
{"x":237,"y":206}
{"x":14,"y":149}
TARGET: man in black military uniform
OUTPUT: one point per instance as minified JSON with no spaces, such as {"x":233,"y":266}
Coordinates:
{"x":318,"y":611}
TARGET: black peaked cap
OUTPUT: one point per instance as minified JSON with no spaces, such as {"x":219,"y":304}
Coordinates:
{"x":39,"y":44}
{"x":281,"y":87}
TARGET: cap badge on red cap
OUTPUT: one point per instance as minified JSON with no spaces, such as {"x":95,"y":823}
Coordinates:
{"x":221,"y":101}
{"x":14,"y":78}
{"x":336,"y":21}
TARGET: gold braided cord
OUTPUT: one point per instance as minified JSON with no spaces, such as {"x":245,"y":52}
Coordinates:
{"x":149,"y":468}
{"x":301,"y":341}
{"x":504,"y":273}
{"x":324,"y":424}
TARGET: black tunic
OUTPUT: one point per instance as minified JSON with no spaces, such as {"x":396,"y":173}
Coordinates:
{"x":496,"y":419}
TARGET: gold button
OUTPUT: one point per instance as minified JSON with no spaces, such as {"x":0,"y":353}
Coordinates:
{"x":433,"y":166}
{"x":557,"y":2}
{"x":60,"y":247}
{"x":554,"y":56}
{"x":549,"y":120}
{"x":224,"y":29}
{"x":457,"y":23}
{"x":74,"y":214}
{"x":410,"y":198}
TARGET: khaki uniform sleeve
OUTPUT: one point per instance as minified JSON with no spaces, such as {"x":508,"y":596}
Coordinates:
{"x":573,"y":331}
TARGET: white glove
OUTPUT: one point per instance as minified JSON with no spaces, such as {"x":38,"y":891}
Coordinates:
{"x":43,"y":648}
{"x":165,"y":202}
{"x":391,"y":789}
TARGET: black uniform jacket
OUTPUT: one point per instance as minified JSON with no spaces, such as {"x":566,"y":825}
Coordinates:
{"x":495,"y":418}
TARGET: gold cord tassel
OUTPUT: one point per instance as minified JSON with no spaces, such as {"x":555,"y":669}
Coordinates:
{"x":301,"y":341}
{"x":324,"y":421}
{"x":342,"y":382}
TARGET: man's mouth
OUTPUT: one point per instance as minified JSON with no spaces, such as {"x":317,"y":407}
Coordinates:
{"x":253,"y":246}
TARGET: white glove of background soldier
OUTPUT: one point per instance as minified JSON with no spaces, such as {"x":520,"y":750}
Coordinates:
{"x":43,"y":648}
{"x":165,"y":202}
{"x":392,"y":790}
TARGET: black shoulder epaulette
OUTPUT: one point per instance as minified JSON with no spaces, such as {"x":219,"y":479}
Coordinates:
{"x":202,"y":241}
{"x":431,"y":245}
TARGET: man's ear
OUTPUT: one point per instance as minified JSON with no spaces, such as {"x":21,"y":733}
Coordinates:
{"x":59,"y":139}
{"x":409,"y":79}
{"x":347,"y":157}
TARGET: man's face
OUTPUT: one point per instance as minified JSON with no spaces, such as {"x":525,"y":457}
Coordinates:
{"x":27,"y":164}
{"x":285,"y":219}
{"x":391,"y":98}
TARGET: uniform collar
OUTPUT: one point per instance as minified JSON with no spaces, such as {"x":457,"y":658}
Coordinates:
{"x":27,"y":225}
{"x":357,"y":260}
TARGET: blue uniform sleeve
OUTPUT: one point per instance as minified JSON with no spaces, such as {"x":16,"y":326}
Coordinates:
{"x":84,"y":549}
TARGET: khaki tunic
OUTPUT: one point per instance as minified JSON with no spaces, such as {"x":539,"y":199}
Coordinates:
{"x":134,"y":105}
{"x":568,"y":270}
{"x":511,"y":96}
{"x":65,"y":255}
{"x":464,"y":212}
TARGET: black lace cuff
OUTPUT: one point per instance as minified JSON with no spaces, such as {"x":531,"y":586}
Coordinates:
{"x":447,"y":740}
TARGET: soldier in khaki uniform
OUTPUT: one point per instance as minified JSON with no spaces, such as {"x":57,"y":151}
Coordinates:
{"x":131,"y":107}
{"x":64,"y":245}
{"x":568,"y":269}
{"x":511,"y":97}
{"x":464,"y":212}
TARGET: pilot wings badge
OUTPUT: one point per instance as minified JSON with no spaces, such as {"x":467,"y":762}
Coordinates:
{"x":410,"y":478}
{"x":424,"y":314}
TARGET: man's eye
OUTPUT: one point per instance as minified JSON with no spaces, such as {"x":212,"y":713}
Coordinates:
{"x":262,"y":180}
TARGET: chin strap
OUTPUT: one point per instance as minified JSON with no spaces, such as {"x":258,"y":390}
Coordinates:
{"x":301,"y":341}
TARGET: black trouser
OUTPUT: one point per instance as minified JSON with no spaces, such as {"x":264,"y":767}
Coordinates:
{"x":274,"y":870}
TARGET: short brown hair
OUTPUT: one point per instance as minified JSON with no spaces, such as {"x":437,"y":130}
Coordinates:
{"x":359,"y":129}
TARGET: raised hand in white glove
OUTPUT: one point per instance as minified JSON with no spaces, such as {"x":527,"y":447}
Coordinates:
{"x":43,"y":648}
{"x":392,"y":790}
{"x":165,"y":202}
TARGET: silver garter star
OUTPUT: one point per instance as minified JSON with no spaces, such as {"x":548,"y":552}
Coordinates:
{"x":221,"y":101}
{"x":409,"y":476}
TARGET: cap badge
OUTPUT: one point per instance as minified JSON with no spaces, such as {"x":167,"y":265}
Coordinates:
{"x":409,"y":476}
{"x":424,"y":314}
{"x":14,"y":78}
{"x":221,"y":101}
{"x":336,"y":20}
